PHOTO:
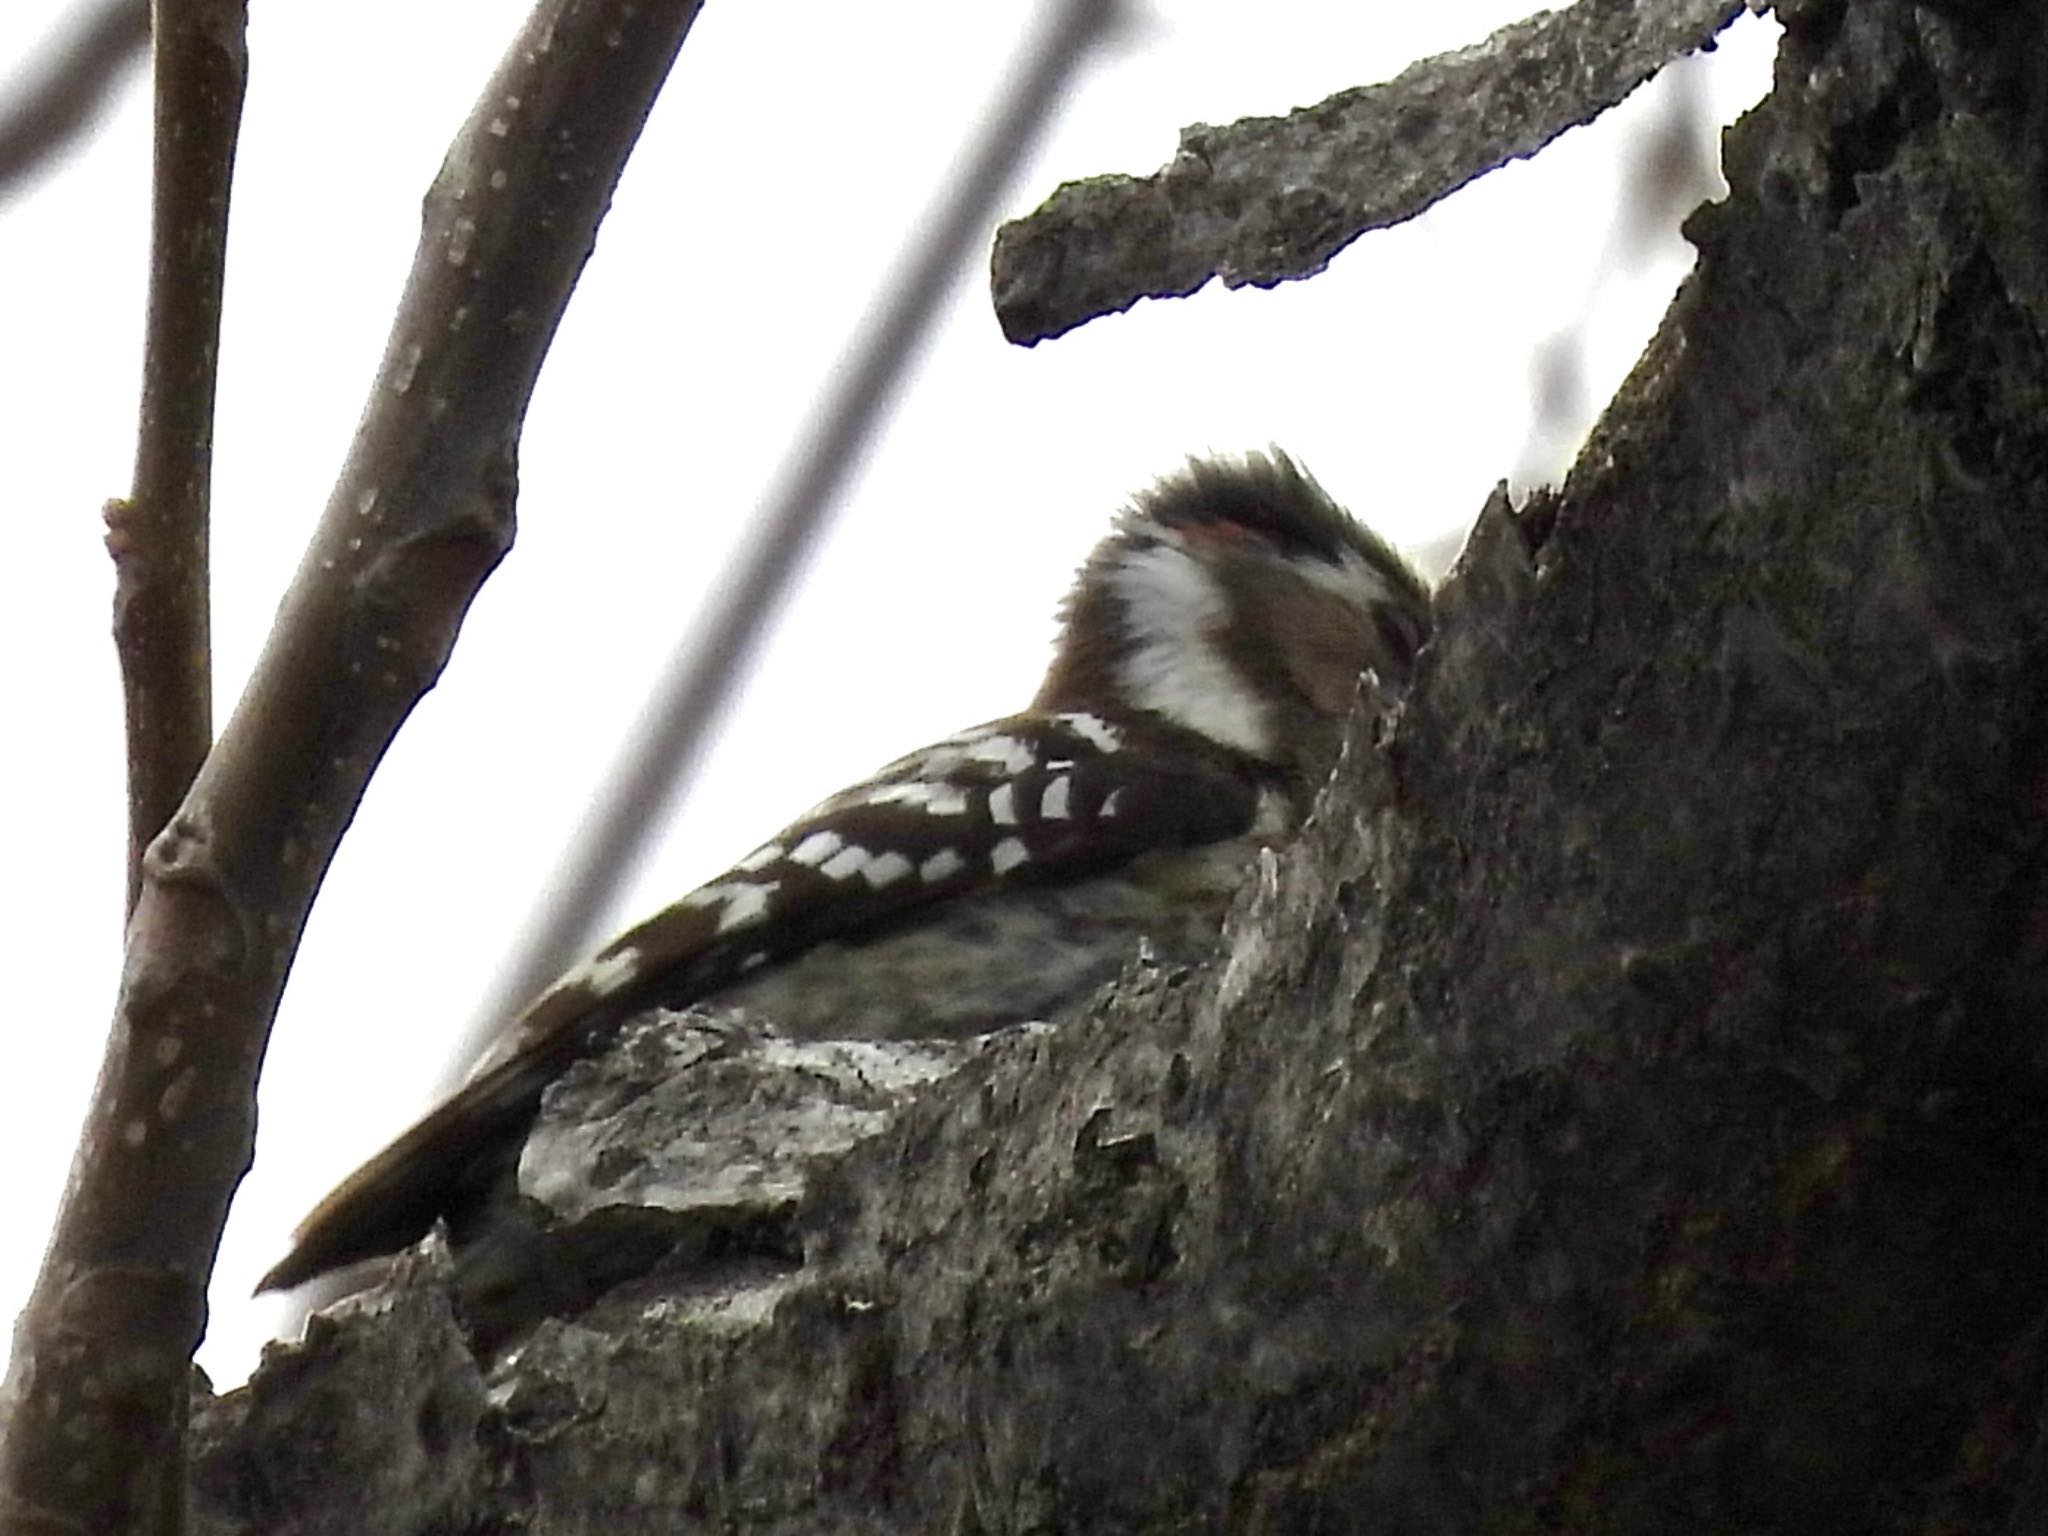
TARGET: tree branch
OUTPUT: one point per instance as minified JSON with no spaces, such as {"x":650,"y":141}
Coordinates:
{"x":158,"y":537}
{"x":1268,"y":199}
{"x":420,"y":515}
{"x":63,"y":100}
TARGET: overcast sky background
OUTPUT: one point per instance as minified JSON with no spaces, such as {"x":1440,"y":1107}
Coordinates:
{"x":797,"y":146}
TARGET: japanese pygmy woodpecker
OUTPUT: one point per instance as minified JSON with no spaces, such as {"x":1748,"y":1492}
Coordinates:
{"x":1207,"y":656}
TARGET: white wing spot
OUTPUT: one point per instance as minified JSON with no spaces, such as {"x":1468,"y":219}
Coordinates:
{"x":1008,"y":854}
{"x":845,"y":862}
{"x":1109,"y":803}
{"x":1007,"y":752}
{"x":754,"y":961}
{"x":816,"y":849}
{"x":886,"y":869}
{"x":933,"y":799}
{"x":1052,"y":805}
{"x":761,"y":857}
{"x":602,"y":975}
{"x":942,"y":865}
{"x":1095,"y":730}
{"x":933,"y":762}
{"x":1002,"y":805}
{"x":748,"y":904}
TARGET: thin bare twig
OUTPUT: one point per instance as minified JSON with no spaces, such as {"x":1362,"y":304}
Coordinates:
{"x":1673,"y":166}
{"x":1267,"y":199}
{"x":158,"y":537}
{"x":91,"y":1415}
{"x":705,"y":669}
{"x":71,"y":89}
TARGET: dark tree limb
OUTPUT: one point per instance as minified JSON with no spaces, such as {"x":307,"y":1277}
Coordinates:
{"x":421,"y":514}
{"x":158,"y":536}
{"x":60,"y":103}
{"x":1269,"y":199}
{"x":1623,"y":1110}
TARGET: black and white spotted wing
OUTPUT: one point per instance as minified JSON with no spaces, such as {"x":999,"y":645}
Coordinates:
{"x":1035,"y":798}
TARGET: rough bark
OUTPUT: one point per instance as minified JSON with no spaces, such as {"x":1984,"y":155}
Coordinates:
{"x":1623,"y":1110}
{"x":1266,"y":200}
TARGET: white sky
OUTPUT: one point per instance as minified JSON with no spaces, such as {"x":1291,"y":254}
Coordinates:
{"x":798,"y":143}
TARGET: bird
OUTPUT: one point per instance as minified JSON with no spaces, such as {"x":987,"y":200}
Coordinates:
{"x":1207,"y":655}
